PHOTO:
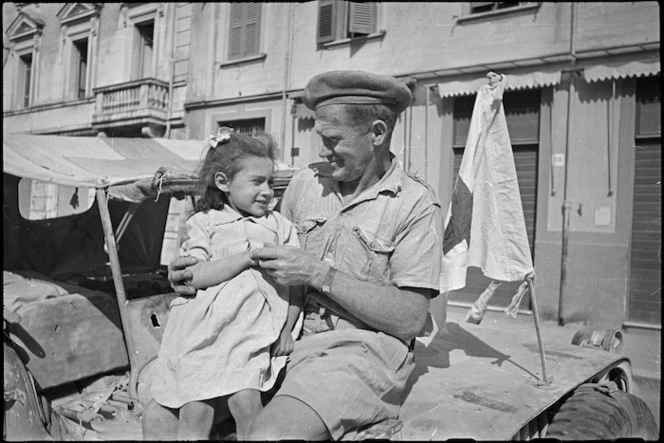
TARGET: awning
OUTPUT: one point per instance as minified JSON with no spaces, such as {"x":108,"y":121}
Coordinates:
{"x":93,"y":162}
{"x":638,"y":64}
{"x":520,"y":78}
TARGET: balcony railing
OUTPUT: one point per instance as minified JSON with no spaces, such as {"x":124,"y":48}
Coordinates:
{"x":138,"y":102}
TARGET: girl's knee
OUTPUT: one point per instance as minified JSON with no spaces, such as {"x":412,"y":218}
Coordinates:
{"x":245,"y":398}
{"x":245,"y":405}
{"x":202,"y":409}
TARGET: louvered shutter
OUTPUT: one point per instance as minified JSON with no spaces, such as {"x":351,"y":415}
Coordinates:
{"x":235,"y":50}
{"x":362,"y":18}
{"x":327,"y":21}
{"x":251,"y":28}
{"x":244,"y":30}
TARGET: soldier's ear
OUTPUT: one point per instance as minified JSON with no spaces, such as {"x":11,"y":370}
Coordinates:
{"x":378,"y":132}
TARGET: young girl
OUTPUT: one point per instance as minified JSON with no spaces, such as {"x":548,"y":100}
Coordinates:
{"x":227,"y":344}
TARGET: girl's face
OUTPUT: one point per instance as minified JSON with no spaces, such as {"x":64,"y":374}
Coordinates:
{"x":250,"y":190}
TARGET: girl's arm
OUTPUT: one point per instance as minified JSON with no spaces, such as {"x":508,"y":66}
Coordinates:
{"x":211,"y":273}
{"x":285,"y":344}
{"x":294,"y":306}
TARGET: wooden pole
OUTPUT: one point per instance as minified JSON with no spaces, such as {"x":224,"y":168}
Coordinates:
{"x":119,"y":285}
{"x":538,"y":329}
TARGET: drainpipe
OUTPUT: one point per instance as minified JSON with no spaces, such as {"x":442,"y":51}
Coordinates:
{"x":171,"y":80}
{"x":289,"y":40}
{"x":426,"y":131}
{"x":567,"y":206}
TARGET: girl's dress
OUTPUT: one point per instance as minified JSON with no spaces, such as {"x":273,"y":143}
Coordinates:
{"x":218,"y":342}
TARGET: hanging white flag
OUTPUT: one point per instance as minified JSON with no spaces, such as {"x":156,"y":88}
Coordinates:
{"x":485,"y":226}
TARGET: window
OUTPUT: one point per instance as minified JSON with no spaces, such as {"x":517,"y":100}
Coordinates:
{"x":80,"y":67}
{"x":648,"y":107}
{"x":144,"y":50}
{"x":25,"y":78}
{"x":250,"y":126}
{"x":39,"y":200}
{"x":244,"y":37}
{"x":339,"y":20}
{"x":79,"y":27}
{"x":22,"y":63}
{"x":478,"y":7}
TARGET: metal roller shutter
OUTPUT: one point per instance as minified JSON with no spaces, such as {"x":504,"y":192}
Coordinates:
{"x":645,"y":282}
{"x":645,"y":288}
{"x":525,"y":160}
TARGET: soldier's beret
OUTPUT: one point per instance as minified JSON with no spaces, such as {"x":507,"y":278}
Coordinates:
{"x":356,"y":87}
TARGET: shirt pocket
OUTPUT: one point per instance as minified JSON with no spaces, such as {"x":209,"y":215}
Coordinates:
{"x":368,"y":255}
{"x":309,"y":233}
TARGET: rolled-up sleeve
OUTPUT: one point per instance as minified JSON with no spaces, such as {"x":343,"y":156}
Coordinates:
{"x":416,"y":259}
{"x":198,"y":238}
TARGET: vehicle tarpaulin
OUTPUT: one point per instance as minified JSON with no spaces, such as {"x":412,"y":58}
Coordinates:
{"x":96,"y":162}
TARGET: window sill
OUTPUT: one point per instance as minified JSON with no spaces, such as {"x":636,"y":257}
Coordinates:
{"x":346,"y":41}
{"x":498,"y":12}
{"x":242,"y":60}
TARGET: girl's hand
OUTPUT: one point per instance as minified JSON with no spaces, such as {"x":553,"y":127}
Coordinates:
{"x":284,"y":345}
{"x":180,"y":276}
{"x":246,"y":257}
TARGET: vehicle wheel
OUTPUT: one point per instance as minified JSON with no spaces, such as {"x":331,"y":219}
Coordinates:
{"x":593,"y":415}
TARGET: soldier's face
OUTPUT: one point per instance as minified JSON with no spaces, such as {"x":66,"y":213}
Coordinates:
{"x":348,"y":149}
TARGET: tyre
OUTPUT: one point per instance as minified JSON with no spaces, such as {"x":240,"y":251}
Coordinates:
{"x":590,"y":414}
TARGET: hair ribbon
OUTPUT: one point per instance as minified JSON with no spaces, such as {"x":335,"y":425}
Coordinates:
{"x":223,"y":135}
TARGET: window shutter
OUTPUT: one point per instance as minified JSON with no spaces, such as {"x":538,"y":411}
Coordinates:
{"x":327,"y":21}
{"x":244,"y":30}
{"x":362,"y":18}
{"x":235,"y":41}
{"x":252,"y":14}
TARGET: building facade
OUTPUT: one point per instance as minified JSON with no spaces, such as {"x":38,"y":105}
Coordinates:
{"x":582,"y":104}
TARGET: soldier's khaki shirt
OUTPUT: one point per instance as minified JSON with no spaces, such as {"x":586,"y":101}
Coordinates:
{"x":390,"y":234}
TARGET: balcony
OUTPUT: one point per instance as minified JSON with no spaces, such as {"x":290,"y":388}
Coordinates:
{"x":131,"y":107}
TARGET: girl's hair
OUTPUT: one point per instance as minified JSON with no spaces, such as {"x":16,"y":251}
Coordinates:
{"x":227,"y":157}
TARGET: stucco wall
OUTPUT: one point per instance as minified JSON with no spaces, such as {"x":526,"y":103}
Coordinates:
{"x":597,"y":266}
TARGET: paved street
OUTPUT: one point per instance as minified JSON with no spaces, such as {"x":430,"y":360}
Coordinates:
{"x":642,"y":346}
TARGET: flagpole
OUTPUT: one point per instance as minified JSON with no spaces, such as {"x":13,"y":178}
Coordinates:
{"x":538,"y":329}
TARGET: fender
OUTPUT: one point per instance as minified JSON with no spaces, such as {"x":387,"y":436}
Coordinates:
{"x":24,"y":417}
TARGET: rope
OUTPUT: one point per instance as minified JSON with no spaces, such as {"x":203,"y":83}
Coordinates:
{"x":161,"y":181}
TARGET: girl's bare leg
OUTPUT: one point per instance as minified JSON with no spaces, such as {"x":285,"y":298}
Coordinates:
{"x":159,"y":422}
{"x":245,"y":406}
{"x":196,"y":420}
